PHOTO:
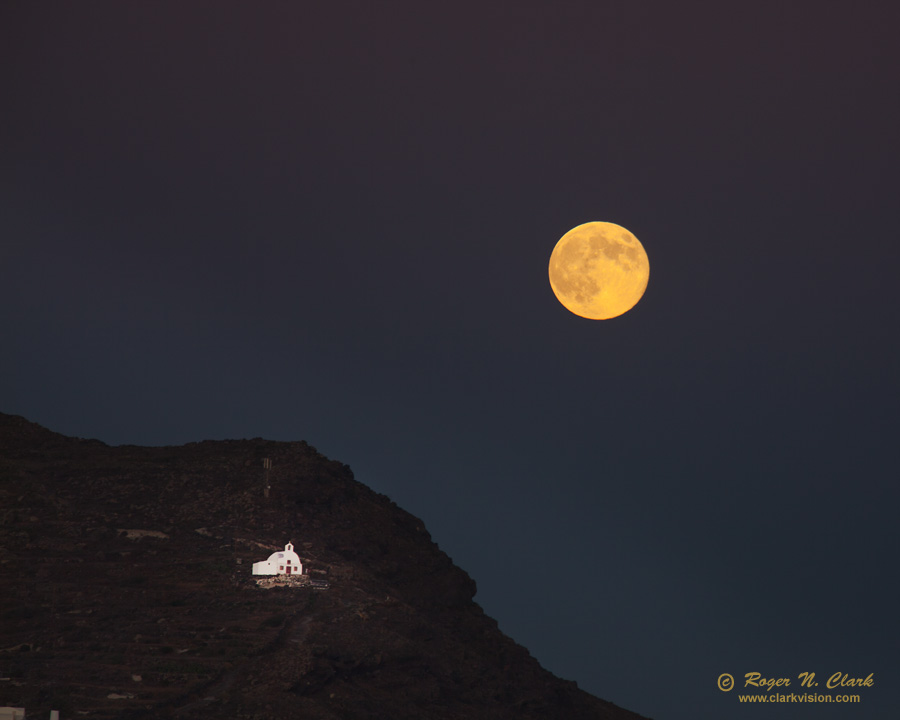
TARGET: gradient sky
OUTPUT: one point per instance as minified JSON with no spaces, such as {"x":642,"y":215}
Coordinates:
{"x":332,"y":222}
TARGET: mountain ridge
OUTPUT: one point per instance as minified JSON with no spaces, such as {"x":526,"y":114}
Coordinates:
{"x":132,"y":595}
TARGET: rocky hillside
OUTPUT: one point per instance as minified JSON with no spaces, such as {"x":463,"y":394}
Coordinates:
{"x":127,"y":593}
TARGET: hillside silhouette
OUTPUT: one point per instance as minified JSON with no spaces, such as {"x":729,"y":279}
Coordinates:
{"x":128,"y":593}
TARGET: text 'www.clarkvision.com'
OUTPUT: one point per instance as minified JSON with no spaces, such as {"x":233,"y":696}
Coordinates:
{"x":754,"y":687}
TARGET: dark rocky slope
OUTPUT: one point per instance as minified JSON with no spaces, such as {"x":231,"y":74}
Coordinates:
{"x":127,"y":593}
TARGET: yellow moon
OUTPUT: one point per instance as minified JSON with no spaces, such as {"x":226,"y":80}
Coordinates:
{"x":599,"y":270}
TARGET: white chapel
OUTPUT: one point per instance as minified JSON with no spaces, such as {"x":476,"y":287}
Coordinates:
{"x":285,"y":562}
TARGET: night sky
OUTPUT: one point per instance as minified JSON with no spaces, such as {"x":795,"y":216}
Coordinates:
{"x":331,"y":222}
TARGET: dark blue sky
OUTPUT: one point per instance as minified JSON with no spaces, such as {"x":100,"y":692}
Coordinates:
{"x":332,"y":222}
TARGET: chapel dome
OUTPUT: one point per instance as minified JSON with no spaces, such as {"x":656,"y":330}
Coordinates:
{"x":285,"y":555}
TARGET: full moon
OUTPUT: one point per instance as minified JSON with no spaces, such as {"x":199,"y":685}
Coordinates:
{"x":599,"y":270}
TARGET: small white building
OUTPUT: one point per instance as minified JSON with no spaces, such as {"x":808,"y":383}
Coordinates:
{"x":286,"y":562}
